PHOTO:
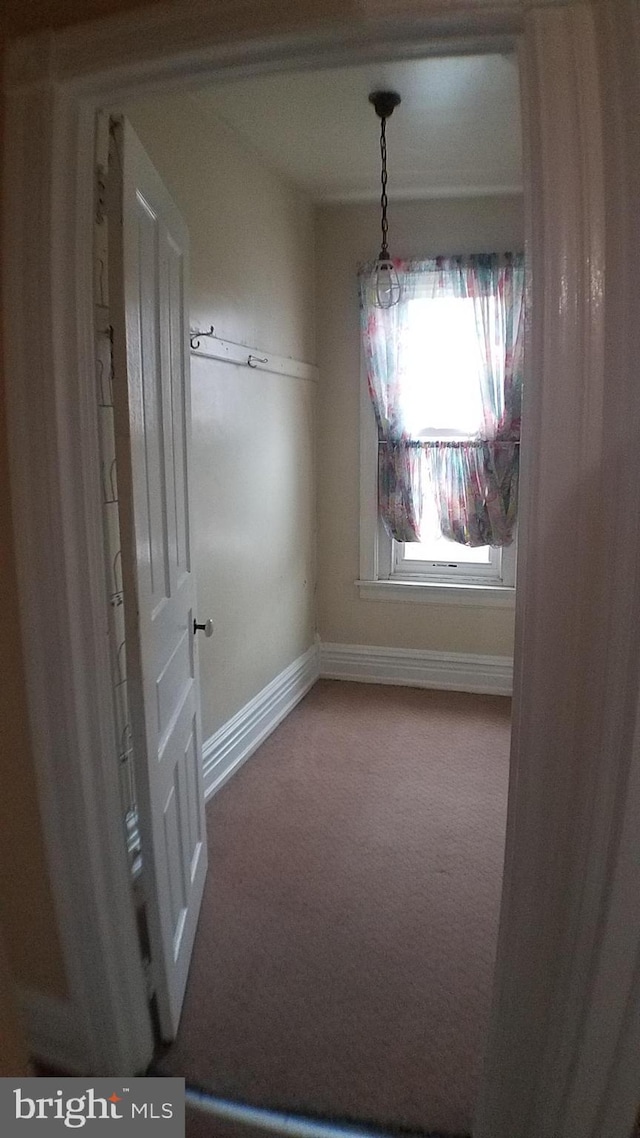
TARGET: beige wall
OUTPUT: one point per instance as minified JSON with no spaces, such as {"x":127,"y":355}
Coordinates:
{"x":347,"y":235}
{"x":253,"y":486}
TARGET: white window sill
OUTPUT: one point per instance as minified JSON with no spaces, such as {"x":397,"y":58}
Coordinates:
{"x":438,"y":593}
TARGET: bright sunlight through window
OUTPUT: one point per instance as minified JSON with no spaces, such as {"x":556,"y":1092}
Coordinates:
{"x":443,"y":402}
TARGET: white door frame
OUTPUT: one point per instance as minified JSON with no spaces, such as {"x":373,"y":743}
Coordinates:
{"x":566,"y":1020}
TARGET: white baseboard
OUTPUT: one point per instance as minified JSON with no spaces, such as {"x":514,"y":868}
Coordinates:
{"x":237,"y":739}
{"x":54,"y":1031}
{"x":452,"y":671}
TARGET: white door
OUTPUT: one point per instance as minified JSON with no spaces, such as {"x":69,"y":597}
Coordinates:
{"x":148,"y":260}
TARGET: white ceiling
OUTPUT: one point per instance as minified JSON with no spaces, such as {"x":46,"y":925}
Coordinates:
{"x":456,"y":132}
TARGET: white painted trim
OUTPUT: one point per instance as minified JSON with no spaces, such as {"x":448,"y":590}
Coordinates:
{"x":408,"y":667}
{"x":562,"y":1054}
{"x":214,"y":348}
{"x":55,"y":1032}
{"x":230,"y":746}
{"x":608,"y":1042}
{"x":438,"y":593}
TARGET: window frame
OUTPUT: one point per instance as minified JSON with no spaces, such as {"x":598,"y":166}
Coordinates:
{"x":499,"y":571}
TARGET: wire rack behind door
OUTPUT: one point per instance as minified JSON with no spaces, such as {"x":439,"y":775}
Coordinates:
{"x":113,"y":550}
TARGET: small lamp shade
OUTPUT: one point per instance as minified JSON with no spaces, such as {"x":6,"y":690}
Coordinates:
{"x":386,"y":289}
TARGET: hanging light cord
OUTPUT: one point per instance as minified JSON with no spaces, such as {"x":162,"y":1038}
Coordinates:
{"x":384,"y":201}
{"x":386,"y":289}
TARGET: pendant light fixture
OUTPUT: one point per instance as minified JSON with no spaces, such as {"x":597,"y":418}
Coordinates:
{"x":385,"y":289}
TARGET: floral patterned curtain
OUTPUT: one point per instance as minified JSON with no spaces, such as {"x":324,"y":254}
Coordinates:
{"x":474,"y":478}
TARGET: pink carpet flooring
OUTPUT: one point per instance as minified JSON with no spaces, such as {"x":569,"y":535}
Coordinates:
{"x":344,"y":955}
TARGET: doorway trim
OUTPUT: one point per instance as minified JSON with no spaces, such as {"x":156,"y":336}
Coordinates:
{"x":566,"y":707}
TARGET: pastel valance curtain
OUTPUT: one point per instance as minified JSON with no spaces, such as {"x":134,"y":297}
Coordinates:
{"x":473,"y":472}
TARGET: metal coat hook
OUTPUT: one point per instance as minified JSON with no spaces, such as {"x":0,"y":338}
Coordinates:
{"x":194,"y":337}
{"x":253,"y":361}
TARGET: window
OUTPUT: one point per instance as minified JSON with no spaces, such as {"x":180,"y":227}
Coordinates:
{"x":441,"y":400}
{"x":444,"y":403}
{"x":436,"y":559}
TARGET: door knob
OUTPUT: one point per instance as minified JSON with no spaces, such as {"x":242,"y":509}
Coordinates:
{"x":207,"y":627}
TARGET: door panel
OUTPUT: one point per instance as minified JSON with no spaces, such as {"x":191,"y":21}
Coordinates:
{"x":148,"y":264}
